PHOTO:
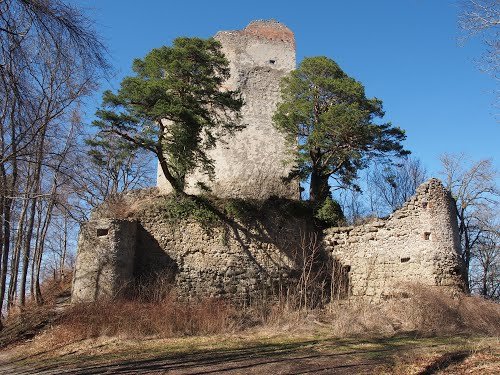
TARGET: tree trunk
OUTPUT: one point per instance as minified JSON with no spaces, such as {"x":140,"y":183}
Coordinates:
{"x":39,"y":228}
{"x":166,"y":172}
{"x":37,"y":259}
{"x":27,"y":252}
{"x":15,"y":262}
{"x":64,"y":250}
{"x":8,"y":192}
{"x":318,"y":188}
{"x":31,"y":220}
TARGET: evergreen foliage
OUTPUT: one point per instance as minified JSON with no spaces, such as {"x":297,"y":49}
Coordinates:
{"x":334,"y":122}
{"x":174,"y":106}
{"x":330,"y":213}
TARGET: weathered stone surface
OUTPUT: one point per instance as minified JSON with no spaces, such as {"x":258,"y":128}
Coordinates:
{"x":253,"y":162}
{"x":236,"y":258}
{"x":417,"y":243}
{"x":242,"y":259}
{"x":231,"y":259}
{"x":105,"y":259}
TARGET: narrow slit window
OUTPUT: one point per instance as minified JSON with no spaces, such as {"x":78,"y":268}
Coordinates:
{"x":427,"y":236}
{"x":405,"y":259}
{"x":102,"y":232}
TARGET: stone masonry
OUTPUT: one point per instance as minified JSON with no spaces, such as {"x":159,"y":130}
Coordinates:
{"x":228,"y":258}
{"x":105,"y":259}
{"x":253,"y":162}
{"x":416,"y":244}
{"x":241,"y":259}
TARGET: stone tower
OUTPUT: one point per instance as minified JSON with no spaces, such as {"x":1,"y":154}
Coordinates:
{"x":253,"y":162}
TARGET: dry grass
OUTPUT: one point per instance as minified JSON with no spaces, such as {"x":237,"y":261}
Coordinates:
{"x":476,"y":356}
{"x":26,"y":321}
{"x":426,"y":312}
{"x":115,"y":207}
{"x":135,"y":319}
{"x":428,"y":332}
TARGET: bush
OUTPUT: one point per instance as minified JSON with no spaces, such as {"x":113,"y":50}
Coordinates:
{"x":330,"y":213}
{"x":427,"y":311}
{"x":173,"y":208}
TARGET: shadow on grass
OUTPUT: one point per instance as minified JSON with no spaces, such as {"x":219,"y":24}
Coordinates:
{"x":309,"y":356}
{"x":445,"y":361}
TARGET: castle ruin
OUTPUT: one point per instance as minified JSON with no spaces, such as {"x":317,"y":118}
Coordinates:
{"x":253,"y":162}
{"x":240,"y":258}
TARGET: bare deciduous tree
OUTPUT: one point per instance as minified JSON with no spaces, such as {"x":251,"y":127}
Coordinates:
{"x":50,"y":58}
{"x":112,"y":168}
{"x":393,"y":185}
{"x":482,"y":17}
{"x":485,"y":265}
{"x":473,"y":186}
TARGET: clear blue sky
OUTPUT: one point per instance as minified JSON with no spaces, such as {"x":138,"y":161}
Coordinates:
{"x":405,"y":52}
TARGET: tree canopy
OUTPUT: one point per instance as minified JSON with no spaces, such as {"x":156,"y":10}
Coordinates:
{"x":174,"y":106}
{"x":329,"y":114}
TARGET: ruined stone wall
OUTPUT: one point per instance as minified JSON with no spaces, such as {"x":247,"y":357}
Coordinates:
{"x":253,"y":162}
{"x":225,"y":256}
{"x":417,"y":243}
{"x":227,"y":260}
{"x":105,"y":259}
{"x":242,"y":257}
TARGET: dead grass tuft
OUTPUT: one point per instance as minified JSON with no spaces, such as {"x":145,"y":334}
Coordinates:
{"x":135,"y":319}
{"x":24,"y":322}
{"x":427,"y":311}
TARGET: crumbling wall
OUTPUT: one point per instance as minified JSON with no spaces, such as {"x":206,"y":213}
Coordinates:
{"x":241,"y":256}
{"x":244,"y":257}
{"x":253,"y":162}
{"x":417,"y":243}
{"x":105,"y":259}
{"x":232,"y":258}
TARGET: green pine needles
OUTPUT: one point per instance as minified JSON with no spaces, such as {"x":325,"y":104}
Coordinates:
{"x":173,"y":106}
{"x":334,"y":122}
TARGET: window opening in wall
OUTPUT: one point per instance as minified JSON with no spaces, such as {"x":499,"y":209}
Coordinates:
{"x":427,"y":235}
{"x":340,"y":282}
{"x":405,"y":259}
{"x":272,"y":62}
{"x":102,"y":232}
{"x":424,"y":204}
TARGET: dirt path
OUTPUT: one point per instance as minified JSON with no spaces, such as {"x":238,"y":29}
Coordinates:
{"x":236,"y":362}
{"x":321,"y":356}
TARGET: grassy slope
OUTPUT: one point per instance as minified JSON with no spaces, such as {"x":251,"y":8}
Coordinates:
{"x":257,"y":350}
